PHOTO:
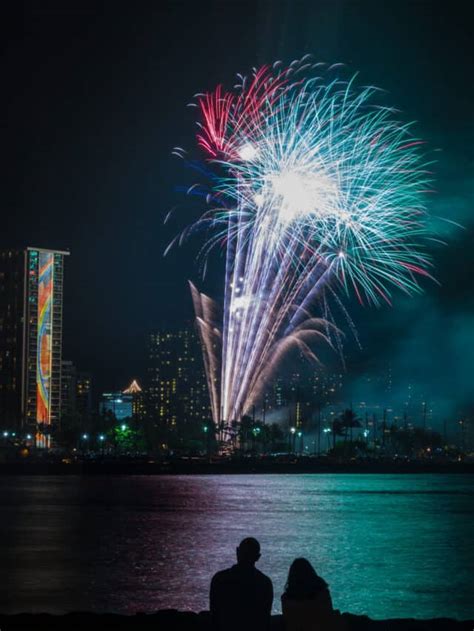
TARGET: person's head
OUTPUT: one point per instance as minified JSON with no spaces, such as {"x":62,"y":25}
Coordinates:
{"x":303,"y":581}
{"x":248,"y":551}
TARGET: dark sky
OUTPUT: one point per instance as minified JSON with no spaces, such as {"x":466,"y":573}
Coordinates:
{"x":94,"y":99}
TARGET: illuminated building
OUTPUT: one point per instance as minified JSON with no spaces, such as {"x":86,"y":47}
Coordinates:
{"x":12,"y":268}
{"x":68,"y":388}
{"x":43,"y":316}
{"x":123,"y":405}
{"x":31,"y":302}
{"x":118,"y":404}
{"x":76,"y":393}
{"x":177,"y":393}
{"x":298,"y":397}
{"x":84,"y":393}
{"x":133,"y":388}
{"x":138,"y":400}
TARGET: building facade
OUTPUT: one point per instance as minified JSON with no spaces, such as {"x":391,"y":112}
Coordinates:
{"x":68,"y":388}
{"x":297,"y":397}
{"x":138,"y":400}
{"x":12,"y":298}
{"x":177,"y":392}
{"x":76,"y":392}
{"x":118,"y":404}
{"x":31,"y":318}
{"x":84,"y":393}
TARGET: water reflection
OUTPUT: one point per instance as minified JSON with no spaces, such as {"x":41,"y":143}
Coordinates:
{"x":387,"y":545}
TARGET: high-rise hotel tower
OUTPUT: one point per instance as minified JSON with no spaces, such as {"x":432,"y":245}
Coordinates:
{"x":31,"y":315}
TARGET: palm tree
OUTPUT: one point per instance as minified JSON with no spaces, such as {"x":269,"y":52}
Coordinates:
{"x":347,"y":421}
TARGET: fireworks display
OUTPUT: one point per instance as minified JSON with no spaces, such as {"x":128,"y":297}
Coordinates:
{"x":316,"y":193}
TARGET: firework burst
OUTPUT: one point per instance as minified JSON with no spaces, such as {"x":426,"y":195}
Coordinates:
{"x":316,"y":191}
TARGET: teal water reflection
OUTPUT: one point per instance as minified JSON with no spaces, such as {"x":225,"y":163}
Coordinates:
{"x":388,"y":545}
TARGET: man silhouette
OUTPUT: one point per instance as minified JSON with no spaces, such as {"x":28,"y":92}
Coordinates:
{"x":241,"y":597}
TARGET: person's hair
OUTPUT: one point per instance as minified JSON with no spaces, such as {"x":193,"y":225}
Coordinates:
{"x":248,"y":550}
{"x":303,"y":581}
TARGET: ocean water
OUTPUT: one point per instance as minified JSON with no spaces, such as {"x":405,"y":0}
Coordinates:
{"x":388,"y":545}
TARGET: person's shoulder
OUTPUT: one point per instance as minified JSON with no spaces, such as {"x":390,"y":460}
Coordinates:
{"x":222,"y":573}
{"x":263,"y":577}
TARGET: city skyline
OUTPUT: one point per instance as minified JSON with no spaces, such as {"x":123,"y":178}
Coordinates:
{"x":237,"y":315}
{"x":110,"y":211}
{"x":290,"y":397}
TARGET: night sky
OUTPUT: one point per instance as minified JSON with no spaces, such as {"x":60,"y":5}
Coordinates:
{"x":94,"y":99}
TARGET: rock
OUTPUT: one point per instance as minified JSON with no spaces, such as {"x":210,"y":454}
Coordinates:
{"x":173,"y":620}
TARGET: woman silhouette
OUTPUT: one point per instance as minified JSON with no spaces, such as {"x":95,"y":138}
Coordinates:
{"x":306,"y":602}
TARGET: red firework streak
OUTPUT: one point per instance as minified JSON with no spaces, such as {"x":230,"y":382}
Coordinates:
{"x":227,"y":119}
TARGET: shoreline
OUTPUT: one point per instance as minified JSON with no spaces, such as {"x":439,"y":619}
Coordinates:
{"x":173,"y":620}
{"x":229,"y":468}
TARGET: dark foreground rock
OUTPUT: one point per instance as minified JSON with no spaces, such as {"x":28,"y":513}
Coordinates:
{"x":172,"y":620}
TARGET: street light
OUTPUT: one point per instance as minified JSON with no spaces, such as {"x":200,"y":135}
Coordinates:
{"x":300,"y":436}
{"x":85,"y":436}
{"x":123,"y":427}
{"x":292,"y":439}
{"x":255,"y":434}
{"x":101,"y":438}
{"x":327,"y":431}
{"x":205,"y":429}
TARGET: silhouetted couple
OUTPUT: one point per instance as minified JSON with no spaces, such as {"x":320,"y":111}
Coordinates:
{"x":241,"y":597}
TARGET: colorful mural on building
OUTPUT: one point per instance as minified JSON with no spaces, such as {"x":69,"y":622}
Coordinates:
{"x":45,"y":325}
